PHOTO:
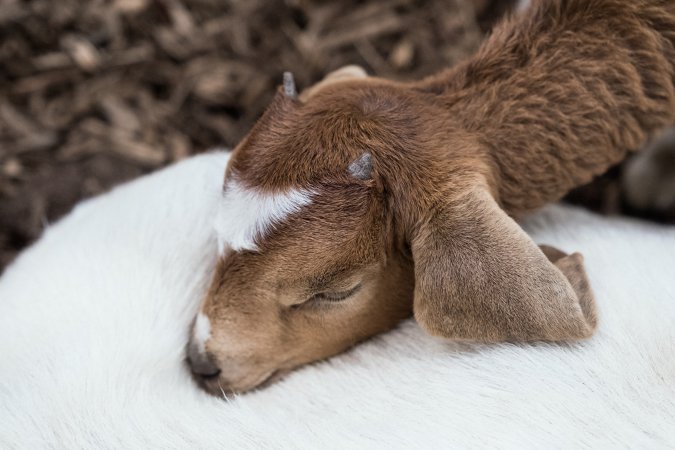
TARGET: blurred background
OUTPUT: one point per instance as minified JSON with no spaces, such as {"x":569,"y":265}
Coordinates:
{"x":94,"y":93}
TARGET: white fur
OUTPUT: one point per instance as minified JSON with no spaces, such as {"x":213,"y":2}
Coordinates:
{"x":94,"y":319}
{"x":256,"y":213}
{"x":202,"y":330}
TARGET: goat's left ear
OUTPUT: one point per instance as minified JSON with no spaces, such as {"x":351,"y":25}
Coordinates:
{"x":479,"y":277}
{"x":342,"y":74}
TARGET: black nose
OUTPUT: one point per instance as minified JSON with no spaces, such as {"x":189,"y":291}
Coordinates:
{"x":201,"y":363}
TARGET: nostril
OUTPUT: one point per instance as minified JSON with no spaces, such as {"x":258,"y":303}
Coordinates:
{"x":202,"y":364}
{"x":206,"y":370}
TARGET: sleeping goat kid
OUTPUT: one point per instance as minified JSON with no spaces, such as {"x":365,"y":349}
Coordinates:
{"x":364,"y":199}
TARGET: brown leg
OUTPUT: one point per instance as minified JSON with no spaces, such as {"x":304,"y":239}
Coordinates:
{"x":572,"y":266}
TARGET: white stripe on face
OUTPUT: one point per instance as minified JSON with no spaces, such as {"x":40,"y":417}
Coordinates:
{"x":201,"y":331}
{"x":246,"y":215}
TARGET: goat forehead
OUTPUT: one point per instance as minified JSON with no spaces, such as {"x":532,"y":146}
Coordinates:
{"x":247,"y":214}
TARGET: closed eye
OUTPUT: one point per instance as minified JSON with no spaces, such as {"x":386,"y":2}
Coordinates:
{"x":338,"y":296}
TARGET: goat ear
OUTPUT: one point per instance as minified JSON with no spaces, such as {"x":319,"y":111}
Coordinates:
{"x":341,"y":74}
{"x":479,"y":277}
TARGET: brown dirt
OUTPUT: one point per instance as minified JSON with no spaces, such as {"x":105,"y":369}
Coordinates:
{"x":93,"y":93}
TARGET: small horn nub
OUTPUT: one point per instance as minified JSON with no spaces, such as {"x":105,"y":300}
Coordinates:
{"x":362,"y":167}
{"x":289,"y":85}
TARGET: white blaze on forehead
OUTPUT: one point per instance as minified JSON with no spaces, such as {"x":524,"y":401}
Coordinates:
{"x":247,"y":214}
{"x":201,"y":331}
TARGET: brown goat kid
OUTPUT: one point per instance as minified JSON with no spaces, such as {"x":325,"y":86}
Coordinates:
{"x":363,"y":199}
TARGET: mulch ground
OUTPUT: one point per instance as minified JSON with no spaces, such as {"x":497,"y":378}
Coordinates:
{"x":93,"y":93}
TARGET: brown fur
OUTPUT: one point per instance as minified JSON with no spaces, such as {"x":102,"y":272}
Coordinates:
{"x":553,"y":98}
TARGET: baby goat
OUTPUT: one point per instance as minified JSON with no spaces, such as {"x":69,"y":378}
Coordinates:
{"x":365,"y":199}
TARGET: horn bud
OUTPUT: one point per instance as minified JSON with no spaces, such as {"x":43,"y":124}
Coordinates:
{"x":289,"y":85}
{"x":362,"y":167}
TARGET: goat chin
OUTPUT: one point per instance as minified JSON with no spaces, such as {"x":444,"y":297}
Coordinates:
{"x":94,"y":318}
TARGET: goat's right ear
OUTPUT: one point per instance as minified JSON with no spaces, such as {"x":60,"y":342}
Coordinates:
{"x":341,"y":74}
{"x":479,"y":277}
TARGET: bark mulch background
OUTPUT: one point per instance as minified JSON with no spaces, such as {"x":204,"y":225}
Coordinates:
{"x":93,"y":93}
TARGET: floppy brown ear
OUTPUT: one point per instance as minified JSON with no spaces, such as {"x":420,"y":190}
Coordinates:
{"x":339,"y":75}
{"x":479,"y":277}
